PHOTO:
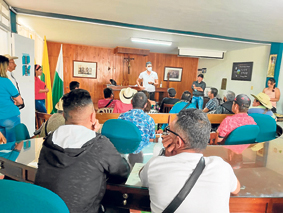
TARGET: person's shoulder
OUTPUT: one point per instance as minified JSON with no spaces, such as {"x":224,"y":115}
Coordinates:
{"x":277,"y":89}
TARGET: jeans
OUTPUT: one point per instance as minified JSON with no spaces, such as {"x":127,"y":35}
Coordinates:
{"x":198,"y":100}
{"x":40,"y":106}
{"x":7,"y":127}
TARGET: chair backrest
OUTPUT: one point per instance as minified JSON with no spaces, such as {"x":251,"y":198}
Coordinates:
{"x":242,"y":135}
{"x":26,"y":197}
{"x":167,"y":108}
{"x":21,"y":132}
{"x":124,"y":135}
{"x":41,"y":118}
{"x":267,"y":127}
{"x":105,"y":110}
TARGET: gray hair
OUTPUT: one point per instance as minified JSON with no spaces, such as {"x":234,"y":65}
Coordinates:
{"x":230,"y":95}
{"x":194,"y":127}
{"x":139,"y":100}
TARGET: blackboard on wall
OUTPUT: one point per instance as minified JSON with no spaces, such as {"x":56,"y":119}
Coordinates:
{"x":242,"y":71}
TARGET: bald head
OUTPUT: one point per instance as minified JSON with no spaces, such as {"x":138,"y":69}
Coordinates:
{"x":78,"y":108}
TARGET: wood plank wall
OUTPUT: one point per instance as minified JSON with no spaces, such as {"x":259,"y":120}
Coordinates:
{"x":110,"y":65}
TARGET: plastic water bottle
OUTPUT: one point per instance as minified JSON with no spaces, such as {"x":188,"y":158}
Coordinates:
{"x":157,"y":147}
{"x":161,"y":84}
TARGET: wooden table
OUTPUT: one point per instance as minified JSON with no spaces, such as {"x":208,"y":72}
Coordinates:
{"x":258,"y":167}
{"x":160,"y":93}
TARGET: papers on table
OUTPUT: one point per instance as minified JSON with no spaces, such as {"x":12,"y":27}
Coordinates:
{"x":134,"y":179}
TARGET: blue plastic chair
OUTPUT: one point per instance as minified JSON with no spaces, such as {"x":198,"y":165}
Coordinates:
{"x":267,"y":127}
{"x":21,"y":132}
{"x":26,"y":197}
{"x":246,"y":134}
{"x":124,"y":135}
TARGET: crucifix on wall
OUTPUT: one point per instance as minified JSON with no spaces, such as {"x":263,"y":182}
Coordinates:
{"x":128,"y":61}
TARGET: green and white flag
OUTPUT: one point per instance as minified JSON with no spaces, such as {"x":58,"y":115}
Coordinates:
{"x":58,"y":84}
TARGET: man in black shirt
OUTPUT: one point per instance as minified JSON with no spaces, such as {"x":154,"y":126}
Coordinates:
{"x":170,"y":100}
{"x":198,"y":91}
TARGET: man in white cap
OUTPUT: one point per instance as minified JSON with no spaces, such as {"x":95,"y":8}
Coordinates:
{"x":150,"y":80}
{"x":261,"y":105}
{"x":124,"y":104}
{"x":12,"y":66}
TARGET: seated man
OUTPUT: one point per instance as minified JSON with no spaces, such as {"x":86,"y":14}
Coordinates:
{"x":213,"y":102}
{"x":226,"y":107}
{"x":166,"y":175}
{"x":262,"y":105}
{"x":75,"y":161}
{"x":144,"y":122}
{"x":124,"y":104}
{"x":56,"y":120}
{"x":183,"y":104}
{"x":108,"y":101}
{"x":169,"y":100}
{"x":74,"y":85}
{"x":240,"y":108}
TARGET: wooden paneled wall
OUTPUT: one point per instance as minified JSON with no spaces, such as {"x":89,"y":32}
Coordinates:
{"x":110,"y":65}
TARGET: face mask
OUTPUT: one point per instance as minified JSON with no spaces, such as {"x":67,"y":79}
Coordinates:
{"x":149,"y":69}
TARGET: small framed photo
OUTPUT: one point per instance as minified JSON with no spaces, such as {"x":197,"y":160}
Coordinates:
{"x":84,"y":69}
{"x":173,"y":73}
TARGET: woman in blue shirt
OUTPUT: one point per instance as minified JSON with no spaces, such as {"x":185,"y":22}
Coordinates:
{"x":9,"y":97}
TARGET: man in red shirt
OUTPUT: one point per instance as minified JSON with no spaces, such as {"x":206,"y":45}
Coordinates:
{"x":240,"y":108}
{"x":108,"y":101}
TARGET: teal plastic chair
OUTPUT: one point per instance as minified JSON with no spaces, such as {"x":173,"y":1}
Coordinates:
{"x":267,"y":127}
{"x":21,"y":132}
{"x":124,"y":135}
{"x":26,"y":197}
{"x":242,"y":135}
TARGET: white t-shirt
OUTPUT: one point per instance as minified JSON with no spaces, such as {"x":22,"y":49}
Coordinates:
{"x":165,"y":176}
{"x":148,"y":78}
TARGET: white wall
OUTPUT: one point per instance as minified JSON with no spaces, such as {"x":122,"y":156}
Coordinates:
{"x":4,"y":41}
{"x":218,"y":69}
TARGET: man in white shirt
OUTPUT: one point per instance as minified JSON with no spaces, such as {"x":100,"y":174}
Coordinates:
{"x":165,"y":175}
{"x":150,"y":80}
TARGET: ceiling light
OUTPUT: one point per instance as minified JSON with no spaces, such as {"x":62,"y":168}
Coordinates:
{"x":149,"y":41}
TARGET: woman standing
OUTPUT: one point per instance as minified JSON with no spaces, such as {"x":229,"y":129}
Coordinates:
{"x":40,"y":90}
{"x":272,"y":92}
{"x":9,"y":98}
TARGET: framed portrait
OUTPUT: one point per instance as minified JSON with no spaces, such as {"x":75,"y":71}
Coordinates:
{"x":271,"y":65}
{"x":84,"y":69}
{"x":173,"y":73}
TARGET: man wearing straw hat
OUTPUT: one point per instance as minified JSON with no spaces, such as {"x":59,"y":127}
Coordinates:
{"x":124,"y":104}
{"x":261,"y":105}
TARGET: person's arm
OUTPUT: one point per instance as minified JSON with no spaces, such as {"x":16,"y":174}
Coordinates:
{"x":117,"y":167}
{"x":237,"y":189}
{"x":2,"y":139}
{"x":156,"y":82}
{"x":138,"y":81}
{"x":277,"y":95}
{"x":205,"y":110}
{"x":18,"y":100}
{"x":45,"y":90}
{"x":219,"y":139}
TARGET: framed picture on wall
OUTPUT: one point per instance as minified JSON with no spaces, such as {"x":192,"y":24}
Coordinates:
{"x":173,"y":73}
{"x":84,"y":69}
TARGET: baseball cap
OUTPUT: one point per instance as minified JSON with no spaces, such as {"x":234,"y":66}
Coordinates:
{"x":10,"y":57}
{"x":243,"y":100}
{"x":172,"y":92}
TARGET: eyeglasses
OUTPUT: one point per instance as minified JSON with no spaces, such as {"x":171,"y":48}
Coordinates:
{"x":167,"y":129}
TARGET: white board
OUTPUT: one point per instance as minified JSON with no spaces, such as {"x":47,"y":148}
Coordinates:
{"x":22,"y":47}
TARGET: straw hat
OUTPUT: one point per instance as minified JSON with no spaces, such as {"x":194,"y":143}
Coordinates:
{"x":10,"y":57}
{"x":126,"y":95}
{"x":59,"y":105}
{"x":263,"y":99}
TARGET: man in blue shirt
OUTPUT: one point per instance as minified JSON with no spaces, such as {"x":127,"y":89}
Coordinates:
{"x":144,"y":122}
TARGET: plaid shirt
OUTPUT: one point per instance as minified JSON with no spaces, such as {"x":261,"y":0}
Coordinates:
{"x":212,"y":104}
{"x":144,"y":122}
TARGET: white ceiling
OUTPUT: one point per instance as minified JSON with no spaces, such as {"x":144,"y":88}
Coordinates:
{"x":248,"y":19}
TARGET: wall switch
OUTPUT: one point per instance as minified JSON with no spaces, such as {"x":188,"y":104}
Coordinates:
{"x":252,"y":87}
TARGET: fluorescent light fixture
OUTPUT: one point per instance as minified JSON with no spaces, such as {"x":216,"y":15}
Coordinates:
{"x":149,"y":41}
{"x":201,"y":53}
